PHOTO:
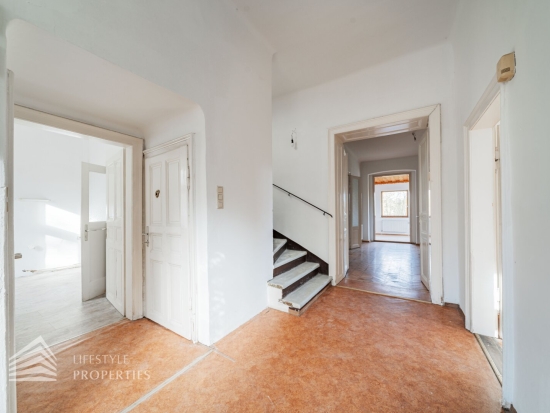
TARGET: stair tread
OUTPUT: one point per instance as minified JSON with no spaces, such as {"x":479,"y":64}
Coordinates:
{"x":288,"y":256}
{"x":303,"y":295}
{"x":295,"y":274}
{"x":278,"y":244}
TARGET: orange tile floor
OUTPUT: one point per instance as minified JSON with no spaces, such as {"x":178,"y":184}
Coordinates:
{"x":350,"y":352}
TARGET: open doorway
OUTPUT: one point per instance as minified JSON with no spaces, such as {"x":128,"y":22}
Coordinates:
{"x":67,"y":272}
{"x":399,"y":163}
{"x":392,"y":208}
{"x":484,"y":227}
{"x":388,"y":258}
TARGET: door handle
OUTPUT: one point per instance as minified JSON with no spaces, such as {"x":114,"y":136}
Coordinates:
{"x":18,"y":256}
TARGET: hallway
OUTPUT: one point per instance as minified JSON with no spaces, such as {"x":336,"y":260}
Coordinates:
{"x":351,"y":351}
{"x":387,"y":268}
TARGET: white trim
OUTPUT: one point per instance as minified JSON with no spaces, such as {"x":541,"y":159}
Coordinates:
{"x":434,"y":114}
{"x":160,"y":149}
{"x":481,"y":107}
{"x":168,"y":146}
{"x":133,"y":148}
{"x":491,"y":92}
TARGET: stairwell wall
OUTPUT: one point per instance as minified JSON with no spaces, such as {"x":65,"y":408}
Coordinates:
{"x":376,"y":91}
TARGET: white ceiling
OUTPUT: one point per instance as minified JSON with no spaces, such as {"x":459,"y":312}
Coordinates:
{"x":54,"y":76}
{"x":385,"y":147}
{"x":320,"y":40}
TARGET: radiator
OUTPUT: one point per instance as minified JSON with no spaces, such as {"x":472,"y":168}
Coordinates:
{"x":395,"y":226}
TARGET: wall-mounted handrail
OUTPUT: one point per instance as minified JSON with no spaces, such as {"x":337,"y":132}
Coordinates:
{"x":303,"y":200}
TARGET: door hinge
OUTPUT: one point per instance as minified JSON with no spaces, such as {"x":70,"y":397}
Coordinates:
{"x":188,"y":176}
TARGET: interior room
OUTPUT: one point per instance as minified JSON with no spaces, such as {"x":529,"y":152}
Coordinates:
{"x":314,"y":205}
{"x":50,"y":299}
{"x":388,"y":259}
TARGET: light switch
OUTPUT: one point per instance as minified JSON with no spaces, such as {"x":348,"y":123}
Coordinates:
{"x":220,"y":197}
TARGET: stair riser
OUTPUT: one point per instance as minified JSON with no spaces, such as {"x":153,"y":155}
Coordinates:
{"x":288,"y":266}
{"x":300,"y":282}
{"x":278,"y":254}
{"x":273,"y":297}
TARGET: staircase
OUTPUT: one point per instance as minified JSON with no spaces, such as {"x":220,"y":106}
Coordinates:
{"x":296,"y":281}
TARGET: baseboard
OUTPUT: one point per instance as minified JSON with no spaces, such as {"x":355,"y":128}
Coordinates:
{"x":512,"y":409}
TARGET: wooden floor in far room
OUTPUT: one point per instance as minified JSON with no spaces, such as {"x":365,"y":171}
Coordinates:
{"x":387,"y":268}
{"x":50,"y":305}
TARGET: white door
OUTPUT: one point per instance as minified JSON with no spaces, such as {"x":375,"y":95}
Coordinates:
{"x":115,"y":231}
{"x":424,"y":209}
{"x":483,"y":235}
{"x":345,"y":198}
{"x":93,"y":225}
{"x":167,"y":280}
{"x":355,"y":213}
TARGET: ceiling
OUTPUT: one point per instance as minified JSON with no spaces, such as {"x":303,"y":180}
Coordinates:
{"x":320,"y":40}
{"x":54,"y":76}
{"x":385,"y":147}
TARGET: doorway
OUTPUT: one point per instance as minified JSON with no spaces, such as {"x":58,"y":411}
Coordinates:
{"x":429,"y":211}
{"x":392,"y":200}
{"x":484,"y":228}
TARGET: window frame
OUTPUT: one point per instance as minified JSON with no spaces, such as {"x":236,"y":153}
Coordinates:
{"x":382,"y":204}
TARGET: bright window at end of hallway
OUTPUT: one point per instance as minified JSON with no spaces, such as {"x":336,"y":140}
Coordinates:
{"x":395,"y":204}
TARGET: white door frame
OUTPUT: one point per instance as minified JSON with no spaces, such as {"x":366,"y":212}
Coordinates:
{"x":487,"y":98}
{"x":434,"y":114}
{"x":413,"y":206}
{"x":491,"y":92}
{"x":186,"y":140}
{"x":133,"y":148}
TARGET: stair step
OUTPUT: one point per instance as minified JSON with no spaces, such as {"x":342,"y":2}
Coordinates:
{"x":278,"y":244}
{"x":288,"y":256}
{"x":303,"y":295}
{"x":288,"y":278}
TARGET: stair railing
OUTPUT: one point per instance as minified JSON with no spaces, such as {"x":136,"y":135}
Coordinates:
{"x":303,"y":200}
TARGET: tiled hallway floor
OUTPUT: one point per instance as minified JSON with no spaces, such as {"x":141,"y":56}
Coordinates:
{"x":387,"y":268}
{"x":350,"y":352}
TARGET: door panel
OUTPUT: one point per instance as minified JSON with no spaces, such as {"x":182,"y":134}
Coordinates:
{"x":93,"y":226}
{"x":167,"y":282}
{"x":355,"y":213}
{"x":115,"y":231}
{"x":424,"y":210}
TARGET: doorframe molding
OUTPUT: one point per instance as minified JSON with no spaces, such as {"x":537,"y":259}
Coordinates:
{"x":335,"y":139}
{"x":412,"y":183}
{"x":489,"y":95}
{"x":133,"y":193}
{"x":491,"y":92}
{"x":186,"y":140}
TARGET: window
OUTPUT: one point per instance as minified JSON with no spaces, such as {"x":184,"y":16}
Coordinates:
{"x":395,"y":204}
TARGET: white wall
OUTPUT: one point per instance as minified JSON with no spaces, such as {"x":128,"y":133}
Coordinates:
{"x":48,"y":166}
{"x":378,"y":189}
{"x":354,"y":166}
{"x":204,"y":51}
{"x":483,"y":32}
{"x":409,"y":163}
{"x":377,"y":91}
